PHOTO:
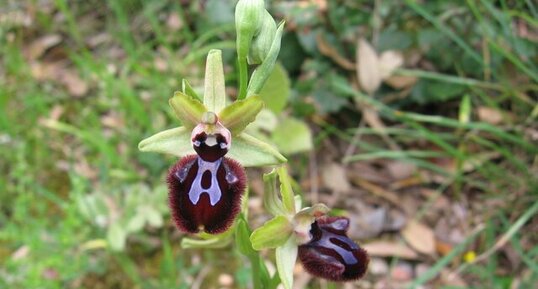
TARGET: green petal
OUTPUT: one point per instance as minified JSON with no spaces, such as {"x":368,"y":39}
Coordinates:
{"x":286,"y":256}
{"x":252,"y":152}
{"x":286,"y":191}
{"x":188,"y":90}
{"x":188,"y":109}
{"x":272,"y":234}
{"x":176,"y":141}
{"x":238,"y":115}
{"x":271,"y":200}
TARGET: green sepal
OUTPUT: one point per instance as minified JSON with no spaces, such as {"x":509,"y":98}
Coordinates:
{"x":286,"y":255}
{"x":242,"y":239}
{"x":238,"y":115}
{"x":260,"y":75}
{"x":271,"y":201}
{"x":286,"y":191}
{"x":214,"y":243}
{"x":208,"y":241}
{"x":188,"y":109}
{"x":252,"y":152}
{"x":188,"y":90}
{"x":272,"y":234}
{"x":175,"y":141}
{"x":214,"y":94}
{"x":246,"y":149}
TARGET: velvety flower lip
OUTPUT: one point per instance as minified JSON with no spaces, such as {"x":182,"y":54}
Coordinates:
{"x":205,"y":195}
{"x":331,"y":254}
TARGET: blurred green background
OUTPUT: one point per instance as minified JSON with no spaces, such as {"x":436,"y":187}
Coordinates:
{"x":448,"y":140}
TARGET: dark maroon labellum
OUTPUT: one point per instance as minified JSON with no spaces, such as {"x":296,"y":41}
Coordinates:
{"x":205,"y":195}
{"x":331,"y":254}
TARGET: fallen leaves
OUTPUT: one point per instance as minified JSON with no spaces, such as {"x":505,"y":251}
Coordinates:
{"x":334,"y":178}
{"x":372,"y":68}
{"x":420,"y":237}
{"x":38,"y":47}
{"x":390,"y":249}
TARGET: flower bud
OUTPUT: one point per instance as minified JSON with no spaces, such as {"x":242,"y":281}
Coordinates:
{"x":331,"y":254}
{"x":248,"y":21}
{"x":261,"y":44}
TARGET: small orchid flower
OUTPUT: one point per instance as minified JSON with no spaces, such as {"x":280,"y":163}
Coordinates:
{"x":308,"y":234}
{"x":206,"y":185}
{"x":330,"y":253}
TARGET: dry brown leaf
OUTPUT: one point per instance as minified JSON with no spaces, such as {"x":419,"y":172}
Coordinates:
{"x":174,"y":21}
{"x":368,"y":71}
{"x":420,"y":237}
{"x":374,"y":121}
{"x":40,"y":45}
{"x":489,"y":115}
{"x":401,"y":81}
{"x":334,"y":178}
{"x":74,"y":84}
{"x":390,"y":249}
{"x":376,"y":190}
{"x":388,"y":62}
{"x":326,"y":49}
{"x":401,"y":170}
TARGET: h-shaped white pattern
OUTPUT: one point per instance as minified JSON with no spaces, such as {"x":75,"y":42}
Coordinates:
{"x":196,"y":188}
{"x":326,"y":241}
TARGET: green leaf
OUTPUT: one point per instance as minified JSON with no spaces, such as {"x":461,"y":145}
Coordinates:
{"x":116,"y":237}
{"x":242,"y":239}
{"x":187,"y":109}
{"x":214,"y":94}
{"x":188,"y":90}
{"x":238,"y":115}
{"x":286,"y":191}
{"x":175,"y":141}
{"x":271,"y":201}
{"x":154,"y":217}
{"x":272,"y":234}
{"x":292,"y":136}
{"x":265,"y":121}
{"x":286,"y":256}
{"x":465,"y":109}
{"x":431,"y":91}
{"x":251,"y":152}
{"x":136,"y":223}
{"x":276,"y":91}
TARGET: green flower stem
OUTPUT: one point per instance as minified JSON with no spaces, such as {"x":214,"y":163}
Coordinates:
{"x":243,"y":77}
{"x":255,"y":262}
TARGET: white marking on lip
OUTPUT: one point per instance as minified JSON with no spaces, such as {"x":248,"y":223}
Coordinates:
{"x":211,"y":140}
{"x":214,"y":190}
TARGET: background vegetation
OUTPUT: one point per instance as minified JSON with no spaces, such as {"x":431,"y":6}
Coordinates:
{"x":436,"y":167}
